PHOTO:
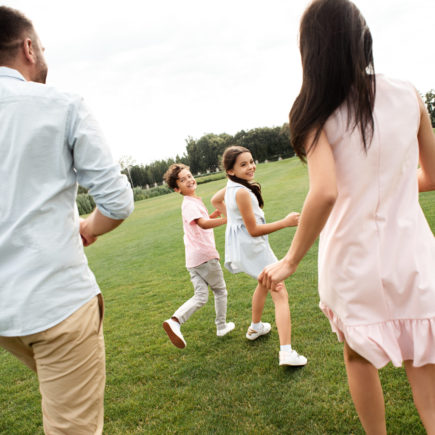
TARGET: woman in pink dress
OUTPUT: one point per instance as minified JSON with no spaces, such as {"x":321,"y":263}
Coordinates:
{"x":363,"y":136}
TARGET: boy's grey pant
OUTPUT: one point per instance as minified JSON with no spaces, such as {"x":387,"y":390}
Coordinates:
{"x":206,"y":274}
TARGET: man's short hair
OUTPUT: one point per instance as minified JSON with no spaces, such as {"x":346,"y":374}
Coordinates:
{"x":171,"y":175}
{"x":14,"y":27}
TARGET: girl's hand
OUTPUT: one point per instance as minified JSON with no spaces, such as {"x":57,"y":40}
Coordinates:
{"x":215,"y":214}
{"x":292,"y":219}
{"x":275,"y":273}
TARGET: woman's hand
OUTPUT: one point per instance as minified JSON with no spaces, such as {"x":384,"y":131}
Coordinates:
{"x":276,"y":273}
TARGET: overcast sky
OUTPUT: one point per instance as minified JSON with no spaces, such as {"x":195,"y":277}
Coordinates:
{"x":156,"y":72}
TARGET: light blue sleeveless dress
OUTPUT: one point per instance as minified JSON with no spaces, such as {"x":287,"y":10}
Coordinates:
{"x":244,"y":253}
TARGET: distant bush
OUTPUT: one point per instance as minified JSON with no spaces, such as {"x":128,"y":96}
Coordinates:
{"x":139,"y":194}
{"x":85,"y":203}
{"x":209,"y":177}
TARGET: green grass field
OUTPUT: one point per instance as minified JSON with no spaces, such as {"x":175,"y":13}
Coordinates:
{"x":215,"y":385}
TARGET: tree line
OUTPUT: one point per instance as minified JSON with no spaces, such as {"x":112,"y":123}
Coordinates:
{"x":203,"y":155}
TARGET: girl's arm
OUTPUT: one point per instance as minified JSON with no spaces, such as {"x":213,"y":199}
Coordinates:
{"x":315,"y":212}
{"x":217,"y":201}
{"x":243,"y":199}
{"x":426,"y":145}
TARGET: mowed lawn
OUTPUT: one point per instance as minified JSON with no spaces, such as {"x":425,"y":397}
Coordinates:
{"x":215,"y":385}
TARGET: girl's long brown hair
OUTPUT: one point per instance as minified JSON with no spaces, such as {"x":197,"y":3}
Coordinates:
{"x":337,"y":62}
{"x":228,"y":161}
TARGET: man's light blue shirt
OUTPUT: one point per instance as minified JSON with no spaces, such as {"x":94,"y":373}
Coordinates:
{"x":49,"y":142}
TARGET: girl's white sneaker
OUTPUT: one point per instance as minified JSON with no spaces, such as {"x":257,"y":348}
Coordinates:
{"x":291,"y":358}
{"x":252,"y":334}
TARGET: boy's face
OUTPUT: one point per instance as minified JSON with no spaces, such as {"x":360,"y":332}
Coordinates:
{"x":186,"y":183}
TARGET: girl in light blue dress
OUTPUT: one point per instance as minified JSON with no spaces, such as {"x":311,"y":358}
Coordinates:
{"x":247,"y":247}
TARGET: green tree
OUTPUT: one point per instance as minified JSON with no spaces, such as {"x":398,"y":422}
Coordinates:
{"x":126,"y":162}
{"x":429,"y":98}
{"x":193,"y":154}
{"x":265,"y":142}
{"x":210,"y":147}
{"x":137,"y":175}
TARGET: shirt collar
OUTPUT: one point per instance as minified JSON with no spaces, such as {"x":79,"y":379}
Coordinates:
{"x":192,"y":198}
{"x":10,"y":72}
{"x":232,"y":183}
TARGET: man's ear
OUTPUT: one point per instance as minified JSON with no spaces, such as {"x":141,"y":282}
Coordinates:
{"x":230,"y":172}
{"x":176,"y":189}
{"x":29,"y":50}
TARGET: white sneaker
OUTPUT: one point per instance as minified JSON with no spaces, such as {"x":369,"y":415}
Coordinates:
{"x":172,"y":328}
{"x":226,"y":329}
{"x":291,"y":358}
{"x":264,"y":329}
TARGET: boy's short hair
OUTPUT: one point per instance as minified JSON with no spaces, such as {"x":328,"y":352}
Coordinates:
{"x":171,"y":175}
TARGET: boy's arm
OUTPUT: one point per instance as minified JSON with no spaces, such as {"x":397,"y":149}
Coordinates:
{"x":218,"y":201}
{"x":206,"y":224}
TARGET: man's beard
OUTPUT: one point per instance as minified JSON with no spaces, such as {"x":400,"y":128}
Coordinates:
{"x":42,"y":70}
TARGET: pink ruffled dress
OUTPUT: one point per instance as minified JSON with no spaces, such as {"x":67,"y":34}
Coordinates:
{"x":377,"y":251}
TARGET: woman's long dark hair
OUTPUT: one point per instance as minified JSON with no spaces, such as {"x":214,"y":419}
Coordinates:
{"x":228,"y":161}
{"x":337,"y":62}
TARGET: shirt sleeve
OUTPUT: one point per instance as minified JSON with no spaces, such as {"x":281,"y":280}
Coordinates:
{"x":95,"y":167}
{"x":191,"y":211}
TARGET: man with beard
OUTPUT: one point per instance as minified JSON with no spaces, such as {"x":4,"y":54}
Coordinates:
{"x":50,"y":304}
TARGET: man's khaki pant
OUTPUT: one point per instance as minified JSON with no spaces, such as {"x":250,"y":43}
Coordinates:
{"x":69,"y":360}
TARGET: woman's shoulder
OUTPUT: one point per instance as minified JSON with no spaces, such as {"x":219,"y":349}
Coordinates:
{"x":394,"y":94}
{"x":389,"y":84}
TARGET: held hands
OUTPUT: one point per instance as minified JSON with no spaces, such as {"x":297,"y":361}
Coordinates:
{"x":215,"y":214}
{"x":292,"y":219}
{"x":275,"y":273}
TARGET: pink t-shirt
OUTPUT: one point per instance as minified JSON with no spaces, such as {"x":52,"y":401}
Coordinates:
{"x":200,"y":245}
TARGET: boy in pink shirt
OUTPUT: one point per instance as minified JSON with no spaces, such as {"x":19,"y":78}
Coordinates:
{"x":202,"y":258}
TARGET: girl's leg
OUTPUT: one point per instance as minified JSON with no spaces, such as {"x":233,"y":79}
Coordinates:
{"x":422,"y":381}
{"x":366,"y":391}
{"x":282,"y":313}
{"x":258,"y":301}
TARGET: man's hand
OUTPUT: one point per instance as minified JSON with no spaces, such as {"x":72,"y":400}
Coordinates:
{"x":95,"y":225}
{"x":87,"y":238}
